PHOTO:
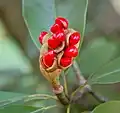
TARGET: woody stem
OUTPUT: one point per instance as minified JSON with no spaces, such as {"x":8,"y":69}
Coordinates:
{"x":59,"y":92}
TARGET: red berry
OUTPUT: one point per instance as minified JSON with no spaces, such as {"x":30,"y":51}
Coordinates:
{"x":48,"y":58}
{"x":62,"y":22}
{"x":74,"y":38}
{"x":60,"y":36}
{"x":55,"y":28}
{"x":53,"y":43}
{"x":42,"y":34}
{"x":65,"y":61}
{"x":71,"y":51}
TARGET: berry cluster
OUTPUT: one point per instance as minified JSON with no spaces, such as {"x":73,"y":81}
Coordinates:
{"x":61,"y":45}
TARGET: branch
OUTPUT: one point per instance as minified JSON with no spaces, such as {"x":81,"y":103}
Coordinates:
{"x":68,"y":108}
{"x":83,"y":86}
{"x":63,"y":99}
{"x":81,"y":80}
{"x":59,"y":91}
{"x":98,"y":97}
{"x":65,"y":84}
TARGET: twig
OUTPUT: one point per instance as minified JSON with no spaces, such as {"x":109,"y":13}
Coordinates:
{"x":58,"y":90}
{"x":65,"y":84}
{"x":81,"y":80}
{"x":98,"y":97}
{"x":63,"y":98}
{"x":68,"y":108}
{"x":79,"y":89}
{"x":84,"y":87}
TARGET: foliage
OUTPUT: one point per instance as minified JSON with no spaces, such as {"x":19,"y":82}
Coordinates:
{"x":99,"y":63}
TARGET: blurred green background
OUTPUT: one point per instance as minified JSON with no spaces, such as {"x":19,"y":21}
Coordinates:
{"x":19,"y":66}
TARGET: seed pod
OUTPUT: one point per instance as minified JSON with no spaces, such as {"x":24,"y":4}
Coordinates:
{"x":53,"y":43}
{"x":50,"y":76}
{"x":59,"y":56}
{"x":69,"y":33}
{"x":60,"y":36}
{"x":48,"y":58}
{"x":46,"y":37}
{"x":64,"y":43}
{"x":63,"y":22}
{"x":60,"y":48}
{"x":53,"y":67}
{"x":71,"y":51}
{"x":74,"y":38}
{"x":41,"y":37}
{"x":65,"y":61}
{"x":43,"y":50}
{"x":55,"y":28}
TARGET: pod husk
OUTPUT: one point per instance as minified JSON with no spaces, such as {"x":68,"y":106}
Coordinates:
{"x":69,"y":33}
{"x":46,"y":37}
{"x":53,"y":67}
{"x":60,"y":48}
{"x":59,"y":56}
{"x":43,"y":49}
{"x":50,"y":76}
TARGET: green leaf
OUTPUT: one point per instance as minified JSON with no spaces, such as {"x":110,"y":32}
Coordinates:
{"x":8,"y":95}
{"x":108,"y":74}
{"x":12,"y":58}
{"x":39,"y":15}
{"x":95,"y":55}
{"x":109,"y":107}
{"x":17,"y":109}
{"x":9,"y":98}
{"x":36,"y":100}
{"x":46,"y":109}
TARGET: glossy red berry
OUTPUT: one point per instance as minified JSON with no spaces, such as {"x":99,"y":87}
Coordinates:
{"x":53,"y":43}
{"x":65,"y":61}
{"x":71,"y":51}
{"x":55,"y":28}
{"x":62,"y":22}
{"x":48,"y":58}
{"x":74,"y":38}
{"x":60,"y":36}
{"x":42,"y":34}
